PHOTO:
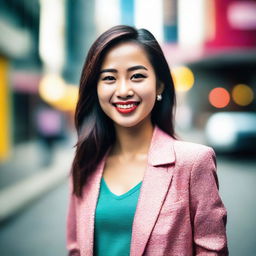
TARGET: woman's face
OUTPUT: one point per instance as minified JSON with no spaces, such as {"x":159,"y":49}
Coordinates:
{"x":127,"y":85}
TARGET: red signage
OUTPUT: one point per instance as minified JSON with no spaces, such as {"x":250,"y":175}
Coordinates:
{"x":234,"y":24}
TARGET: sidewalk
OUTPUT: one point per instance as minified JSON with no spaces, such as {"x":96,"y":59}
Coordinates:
{"x":22,"y":180}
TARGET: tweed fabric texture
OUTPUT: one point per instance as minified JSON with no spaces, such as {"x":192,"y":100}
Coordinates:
{"x":179,"y":210}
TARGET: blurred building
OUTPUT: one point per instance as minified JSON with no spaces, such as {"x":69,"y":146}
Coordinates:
{"x":20,"y":69}
{"x":217,"y":41}
{"x":209,"y":45}
{"x":39,"y":39}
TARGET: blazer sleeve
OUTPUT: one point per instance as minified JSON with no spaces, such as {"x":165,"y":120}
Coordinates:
{"x":208,"y":213}
{"x":71,"y":230}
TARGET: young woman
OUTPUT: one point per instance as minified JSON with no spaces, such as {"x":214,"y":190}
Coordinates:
{"x":134,"y":188}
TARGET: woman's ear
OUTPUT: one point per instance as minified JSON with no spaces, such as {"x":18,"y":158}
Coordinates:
{"x":160,"y":88}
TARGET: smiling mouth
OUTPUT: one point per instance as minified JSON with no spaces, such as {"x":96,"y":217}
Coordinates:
{"x":126,"y":107}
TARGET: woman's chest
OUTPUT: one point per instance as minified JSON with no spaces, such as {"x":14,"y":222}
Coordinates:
{"x":120,"y":177}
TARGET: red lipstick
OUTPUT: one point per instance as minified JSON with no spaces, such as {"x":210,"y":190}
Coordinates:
{"x":126,"y":107}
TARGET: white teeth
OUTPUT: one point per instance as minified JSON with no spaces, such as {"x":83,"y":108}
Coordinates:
{"x":125,"y":106}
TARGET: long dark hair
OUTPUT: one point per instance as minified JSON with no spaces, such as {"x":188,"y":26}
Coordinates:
{"x":94,"y":128}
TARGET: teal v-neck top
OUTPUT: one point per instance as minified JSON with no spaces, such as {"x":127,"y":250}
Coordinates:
{"x":113,"y":221}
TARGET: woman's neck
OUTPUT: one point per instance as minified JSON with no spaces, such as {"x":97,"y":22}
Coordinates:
{"x":133,"y":141}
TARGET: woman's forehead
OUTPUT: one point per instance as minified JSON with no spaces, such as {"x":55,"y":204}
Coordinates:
{"x":129,"y":52}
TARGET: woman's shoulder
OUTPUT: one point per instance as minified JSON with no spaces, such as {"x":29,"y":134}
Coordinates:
{"x":192,"y":150}
{"x":193,"y":156}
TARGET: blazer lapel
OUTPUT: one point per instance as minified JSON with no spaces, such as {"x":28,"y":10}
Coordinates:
{"x":155,"y":185}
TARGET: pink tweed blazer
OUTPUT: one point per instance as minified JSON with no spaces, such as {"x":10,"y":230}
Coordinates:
{"x":179,"y":210}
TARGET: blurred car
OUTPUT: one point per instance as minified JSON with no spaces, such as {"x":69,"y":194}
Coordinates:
{"x":229,"y":132}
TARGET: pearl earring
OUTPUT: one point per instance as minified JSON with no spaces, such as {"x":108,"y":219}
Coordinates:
{"x":159,"y":97}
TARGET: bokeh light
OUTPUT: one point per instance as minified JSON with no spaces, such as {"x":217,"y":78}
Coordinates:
{"x":219,"y":97}
{"x":54,"y":91}
{"x":242,"y":94}
{"x":69,"y":99}
{"x":51,"y":88}
{"x":183,"y":78}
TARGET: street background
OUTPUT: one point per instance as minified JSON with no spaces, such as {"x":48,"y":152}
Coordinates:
{"x":210,"y":46}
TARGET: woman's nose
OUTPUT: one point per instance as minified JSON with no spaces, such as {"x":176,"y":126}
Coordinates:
{"x":124,"y":89}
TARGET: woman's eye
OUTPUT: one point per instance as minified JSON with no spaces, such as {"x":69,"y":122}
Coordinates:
{"x":108,"y":78}
{"x":138,"y":76}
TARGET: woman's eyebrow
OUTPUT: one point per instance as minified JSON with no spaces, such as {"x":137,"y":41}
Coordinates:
{"x":112,"y":70}
{"x":108,"y":70}
{"x":136,"y":67}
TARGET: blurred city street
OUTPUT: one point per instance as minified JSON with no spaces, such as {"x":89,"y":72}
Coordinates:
{"x":40,"y":229}
{"x":210,"y":47}
{"x":33,"y":208}
{"x":237,"y":179}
